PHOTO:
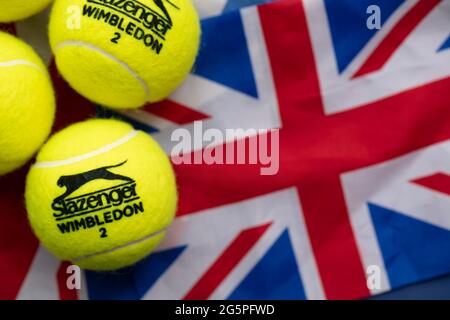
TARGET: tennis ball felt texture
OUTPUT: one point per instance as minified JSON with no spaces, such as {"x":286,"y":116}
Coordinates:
{"x":123,"y":54}
{"x":27,"y":103}
{"x":14,"y":10}
{"x":101,"y":194}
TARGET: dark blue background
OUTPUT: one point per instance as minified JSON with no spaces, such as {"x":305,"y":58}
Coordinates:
{"x":437,"y":289}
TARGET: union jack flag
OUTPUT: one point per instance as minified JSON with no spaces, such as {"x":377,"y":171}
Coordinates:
{"x":364,"y":172}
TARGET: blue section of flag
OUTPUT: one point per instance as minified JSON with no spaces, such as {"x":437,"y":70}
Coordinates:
{"x":224,"y":55}
{"x":348,"y":25}
{"x":445,"y":45}
{"x":106,"y":113}
{"x":131,"y":283}
{"x":275,"y":276}
{"x":412,"y":250}
{"x":236,"y":4}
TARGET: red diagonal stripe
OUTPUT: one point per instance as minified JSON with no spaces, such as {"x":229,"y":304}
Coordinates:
{"x":438,"y":182}
{"x":225,"y":263}
{"x":396,"y":37}
{"x":64,"y":292}
{"x":175,"y":112}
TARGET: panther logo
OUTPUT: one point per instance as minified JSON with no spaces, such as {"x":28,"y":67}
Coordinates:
{"x":162,"y":7}
{"x":76,"y":181}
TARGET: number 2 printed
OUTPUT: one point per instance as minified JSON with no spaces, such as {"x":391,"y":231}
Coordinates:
{"x":116,"y":38}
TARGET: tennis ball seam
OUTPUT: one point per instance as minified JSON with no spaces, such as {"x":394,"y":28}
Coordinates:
{"x":134,"y":74}
{"x":88,"y":155}
{"x":20,"y":62}
{"x":123,"y":246}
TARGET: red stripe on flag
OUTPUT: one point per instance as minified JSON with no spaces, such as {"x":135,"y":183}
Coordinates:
{"x":225,"y":263}
{"x":325,"y":213}
{"x":64,"y":292}
{"x":396,"y":37}
{"x":438,"y":182}
{"x":175,"y":112}
{"x":17,"y":243}
{"x":332,"y":239}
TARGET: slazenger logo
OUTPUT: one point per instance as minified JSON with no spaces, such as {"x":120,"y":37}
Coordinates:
{"x":116,"y":202}
{"x":137,"y":11}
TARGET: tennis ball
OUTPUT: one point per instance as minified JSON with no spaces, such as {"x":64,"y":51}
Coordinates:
{"x":124,"y":53}
{"x":13,"y":10}
{"x":101,"y":194}
{"x":27,"y":103}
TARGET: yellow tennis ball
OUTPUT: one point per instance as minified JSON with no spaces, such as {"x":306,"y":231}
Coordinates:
{"x":101,"y":194}
{"x":13,"y":10}
{"x":27,"y":103}
{"x":124,"y":53}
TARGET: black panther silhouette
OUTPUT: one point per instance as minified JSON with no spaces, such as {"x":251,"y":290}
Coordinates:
{"x":76,"y":181}
{"x":161,"y":6}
